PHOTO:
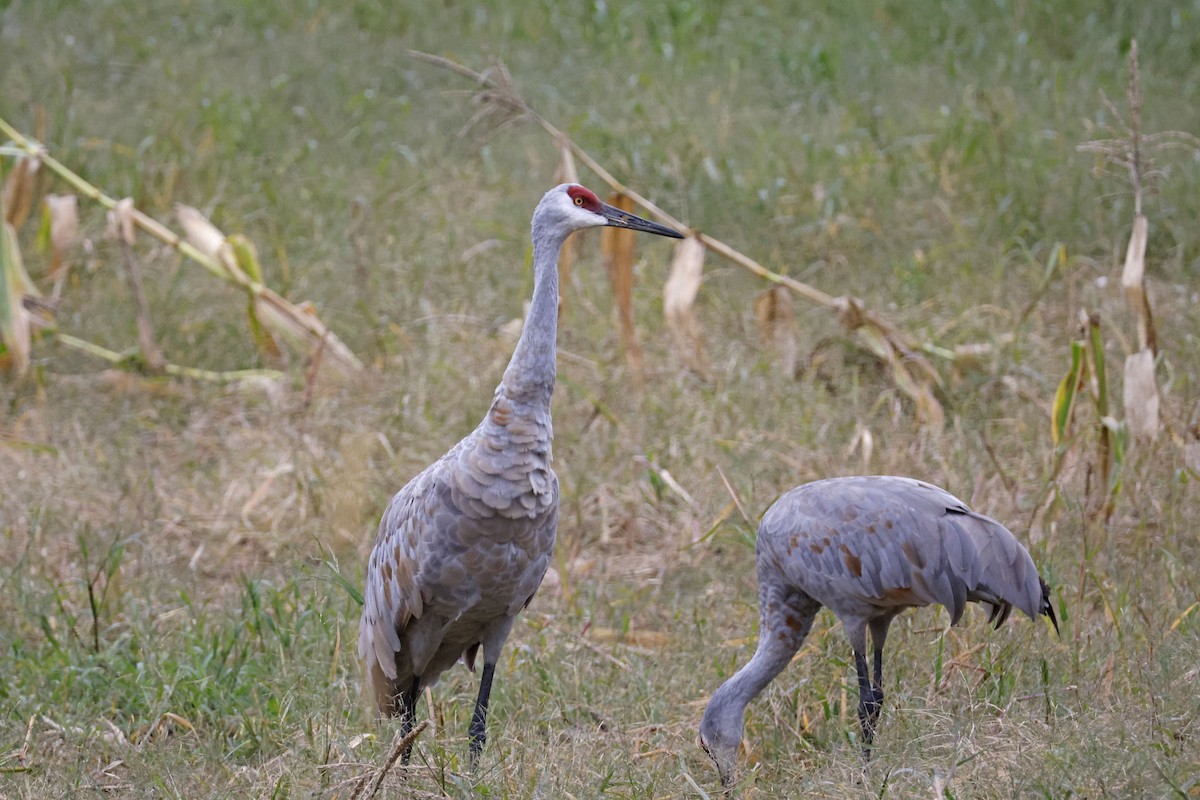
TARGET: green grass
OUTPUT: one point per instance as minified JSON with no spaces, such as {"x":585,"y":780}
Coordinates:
{"x":172,"y":624}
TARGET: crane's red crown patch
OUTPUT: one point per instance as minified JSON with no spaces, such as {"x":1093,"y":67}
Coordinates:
{"x":584,"y":198}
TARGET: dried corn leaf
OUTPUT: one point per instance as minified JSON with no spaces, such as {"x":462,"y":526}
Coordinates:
{"x":910,"y":371}
{"x":929,"y":408}
{"x":863,"y":441}
{"x":1064,"y":397}
{"x":1133,"y":282}
{"x":1141,"y":396}
{"x":885,"y":344}
{"x":63,"y":213}
{"x":1135,"y":255}
{"x":19,"y":190}
{"x":679,"y":298}
{"x":14,"y":319}
{"x":121,"y":225}
{"x":245,"y":254}
{"x":618,"y":249}
{"x":297,"y":325}
{"x":246,"y":257}
{"x":776,"y":315}
{"x":209,"y":240}
{"x":300,"y":326}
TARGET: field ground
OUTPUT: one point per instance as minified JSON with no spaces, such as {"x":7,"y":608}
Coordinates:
{"x":174,"y":555}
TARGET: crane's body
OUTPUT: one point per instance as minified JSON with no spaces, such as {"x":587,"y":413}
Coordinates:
{"x":867,"y":548}
{"x":463,"y":547}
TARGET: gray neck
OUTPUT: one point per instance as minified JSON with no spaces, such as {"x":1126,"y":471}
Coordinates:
{"x":721,"y":727}
{"x":530,"y":373}
{"x":726,"y":710}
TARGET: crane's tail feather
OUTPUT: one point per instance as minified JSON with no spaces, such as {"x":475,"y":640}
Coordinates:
{"x":999,"y":615}
{"x":468,"y":656}
{"x":1047,"y":608}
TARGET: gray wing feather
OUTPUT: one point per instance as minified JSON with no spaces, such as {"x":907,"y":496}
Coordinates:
{"x":393,"y":597}
{"x":884,"y":541}
{"x":462,"y":546}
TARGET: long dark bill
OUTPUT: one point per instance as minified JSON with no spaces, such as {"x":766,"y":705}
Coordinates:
{"x":623,"y":219}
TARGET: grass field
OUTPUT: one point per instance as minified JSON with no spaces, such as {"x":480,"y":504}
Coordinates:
{"x":174,"y":619}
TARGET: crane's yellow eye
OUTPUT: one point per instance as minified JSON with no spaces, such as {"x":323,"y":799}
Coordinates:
{"x":578,"y":201}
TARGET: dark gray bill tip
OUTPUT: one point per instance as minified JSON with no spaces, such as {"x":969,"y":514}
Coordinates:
{"x":623,"y":219}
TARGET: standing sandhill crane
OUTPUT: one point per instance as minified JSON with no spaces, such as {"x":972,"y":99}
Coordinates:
{"x":867,"y":548}
{"x":462,"y":548}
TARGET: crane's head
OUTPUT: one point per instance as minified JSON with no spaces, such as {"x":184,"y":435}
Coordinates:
{"x":571,"y":207}
{"x":720,"y":737}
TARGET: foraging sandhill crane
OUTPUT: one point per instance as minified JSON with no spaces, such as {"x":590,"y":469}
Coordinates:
{"x":866,"y":548}
{"x":462,"y":548}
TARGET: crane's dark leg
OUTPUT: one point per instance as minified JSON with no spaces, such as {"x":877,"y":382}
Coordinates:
{"x":409,"y":719}
{"x":478,"y":730}
{"x":870,"y":701}
{"x":874,"y":702}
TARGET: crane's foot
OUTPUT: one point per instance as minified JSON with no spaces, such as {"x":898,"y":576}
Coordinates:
{"x":478,"y":736}
{"x":409,"y":698}
{"x":870,"y":704}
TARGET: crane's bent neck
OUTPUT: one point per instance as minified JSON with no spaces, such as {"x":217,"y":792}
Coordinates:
{"x":531,"y":371}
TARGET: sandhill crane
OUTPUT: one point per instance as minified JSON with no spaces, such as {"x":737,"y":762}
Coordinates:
{"x":462,"y":548}
{"x":867,"y":548}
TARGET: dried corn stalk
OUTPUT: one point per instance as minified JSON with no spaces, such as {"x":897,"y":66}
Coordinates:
{"x":618,"y":248}
{"x":679,"y":296}
{"x":909,"y":369}
{"x":566,"y":173}
{"x":1133,"y":154}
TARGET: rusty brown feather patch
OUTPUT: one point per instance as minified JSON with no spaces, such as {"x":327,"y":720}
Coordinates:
{"x":853,"y":562}
{"x":913,"y":555}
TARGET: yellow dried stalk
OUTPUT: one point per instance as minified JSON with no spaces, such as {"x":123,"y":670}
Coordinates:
{"x":175,"y":370}
{"x":679,"y":297}
{"x":910,"y":371}
{"x":618,"y":248}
